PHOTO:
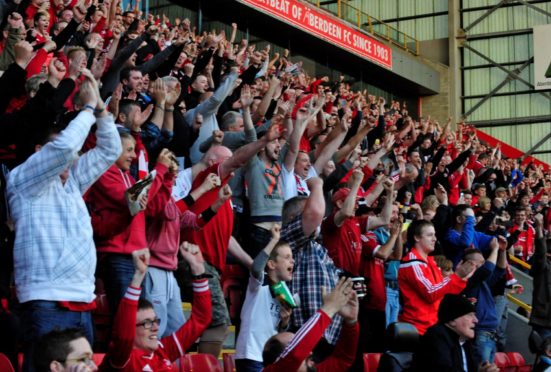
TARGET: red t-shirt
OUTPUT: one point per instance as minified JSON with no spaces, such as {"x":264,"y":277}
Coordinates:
{"x":214,"y":237}
{"x":344,"y":243}
{"x":373,"y":270}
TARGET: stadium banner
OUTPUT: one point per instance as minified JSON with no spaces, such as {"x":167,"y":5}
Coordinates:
{"x":326,"y":27}
{"x":542,"y":57}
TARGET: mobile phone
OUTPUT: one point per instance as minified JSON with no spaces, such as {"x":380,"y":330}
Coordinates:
{"x":358,"y":285}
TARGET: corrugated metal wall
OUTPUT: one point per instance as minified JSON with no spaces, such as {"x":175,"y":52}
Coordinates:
{"x":426,"y":28}
{"x":514,"y":50}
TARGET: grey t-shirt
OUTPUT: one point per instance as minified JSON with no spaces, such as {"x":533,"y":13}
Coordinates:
{"x":265,"y":191}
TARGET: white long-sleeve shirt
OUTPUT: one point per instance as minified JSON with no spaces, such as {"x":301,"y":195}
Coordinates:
{"x":54,"y":253}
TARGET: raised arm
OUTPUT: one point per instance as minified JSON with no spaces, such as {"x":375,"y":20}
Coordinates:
{"x":384,"y":218}
{"x":246,"y":100}
{"x":310,"y":333}
{"x":33,"y":176}
{"x":353,"y":142}
{"x":388,"y":142}
{"x":212,"y":104}
{"x":389,"y":247}
{"x":336,"y":132}
{"x":201,"y":310}
{"x":332,"y":146}
{"x":124,"y":324}
{"x":259,"y":262}
{"x":348,"y":210}
{"x":314,"y":210}
{"x":95,"y":162}
{"x":242,"y":155}
{"x":265,"y":103}
{"x":294,"y":140}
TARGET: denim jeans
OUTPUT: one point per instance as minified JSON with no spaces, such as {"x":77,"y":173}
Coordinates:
{"x":116,"y":271}
{"x":484,"y":347}
{"x":248,"y":365}
{"x":161,"y":289}
{"x":392,"y":308}
{"x":502,"y":317}
{"x":41,"y":317}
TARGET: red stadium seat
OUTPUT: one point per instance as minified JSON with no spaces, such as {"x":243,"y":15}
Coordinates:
{"x":199,"y":363}
{"x":5,"y":364}
{"x":229,"y":362}
{"x":371,"y":361}
{"x":517,"y":360}
{"x":501,"y":360}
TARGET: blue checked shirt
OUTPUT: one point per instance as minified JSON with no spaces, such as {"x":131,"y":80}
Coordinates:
{"x":313,"y":269}
{"x":54,"y":253}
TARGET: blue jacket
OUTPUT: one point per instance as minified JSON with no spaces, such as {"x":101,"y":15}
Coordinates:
{"x":456,"y":242}
{"x":478,"y":287}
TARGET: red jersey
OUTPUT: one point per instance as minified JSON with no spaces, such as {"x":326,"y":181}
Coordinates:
{"x":525,"y":240}
{"x":343,"y":243}
{"x":214,"y":237}
{"x":122,"y":356}
{"x":308,"y":336}
{"x":373,"y":270}
{"x":422,"y":287}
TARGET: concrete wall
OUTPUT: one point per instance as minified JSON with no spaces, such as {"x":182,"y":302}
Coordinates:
{"x":436,"y":50}
{"x":438,"y":105}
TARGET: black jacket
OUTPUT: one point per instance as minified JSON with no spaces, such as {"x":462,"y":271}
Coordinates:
{"x":439,"y":350}
{"x":541,"y":294}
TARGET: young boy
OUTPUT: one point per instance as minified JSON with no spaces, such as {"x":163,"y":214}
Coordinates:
{"x":277,"y":258}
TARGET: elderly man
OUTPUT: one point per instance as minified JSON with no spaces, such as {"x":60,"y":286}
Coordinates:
{"x":447,"y":345}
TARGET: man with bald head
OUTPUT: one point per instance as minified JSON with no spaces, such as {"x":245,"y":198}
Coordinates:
{"x":215,"y":237}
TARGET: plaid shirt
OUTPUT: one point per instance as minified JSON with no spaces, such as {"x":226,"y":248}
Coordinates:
{"x":313,"y":269}
{"x":54,"y":254}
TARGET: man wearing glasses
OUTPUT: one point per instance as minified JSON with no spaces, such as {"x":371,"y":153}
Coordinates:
{"x":66,"y":350}
{"x":135,"y":345}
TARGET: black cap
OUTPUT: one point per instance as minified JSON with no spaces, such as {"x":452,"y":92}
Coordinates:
{"x":454,"y":306}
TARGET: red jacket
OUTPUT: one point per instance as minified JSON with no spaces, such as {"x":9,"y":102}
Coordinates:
{"x":457,"y":181}
{"x":525,"y":240}
{"x":115,"y":230}
{"x":422,"y":287}
{"x":308,"y":336}
{"x":165,"y":219}
{"x":122,"y":356}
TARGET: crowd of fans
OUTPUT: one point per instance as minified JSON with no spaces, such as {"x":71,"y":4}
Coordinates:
{"x":145,"y":155}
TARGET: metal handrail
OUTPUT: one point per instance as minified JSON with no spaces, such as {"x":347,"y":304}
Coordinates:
{"x":518,"y":302}
{"x":372,"y":25}
{"x":519,"y":262}
{"x":510,"y":297}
